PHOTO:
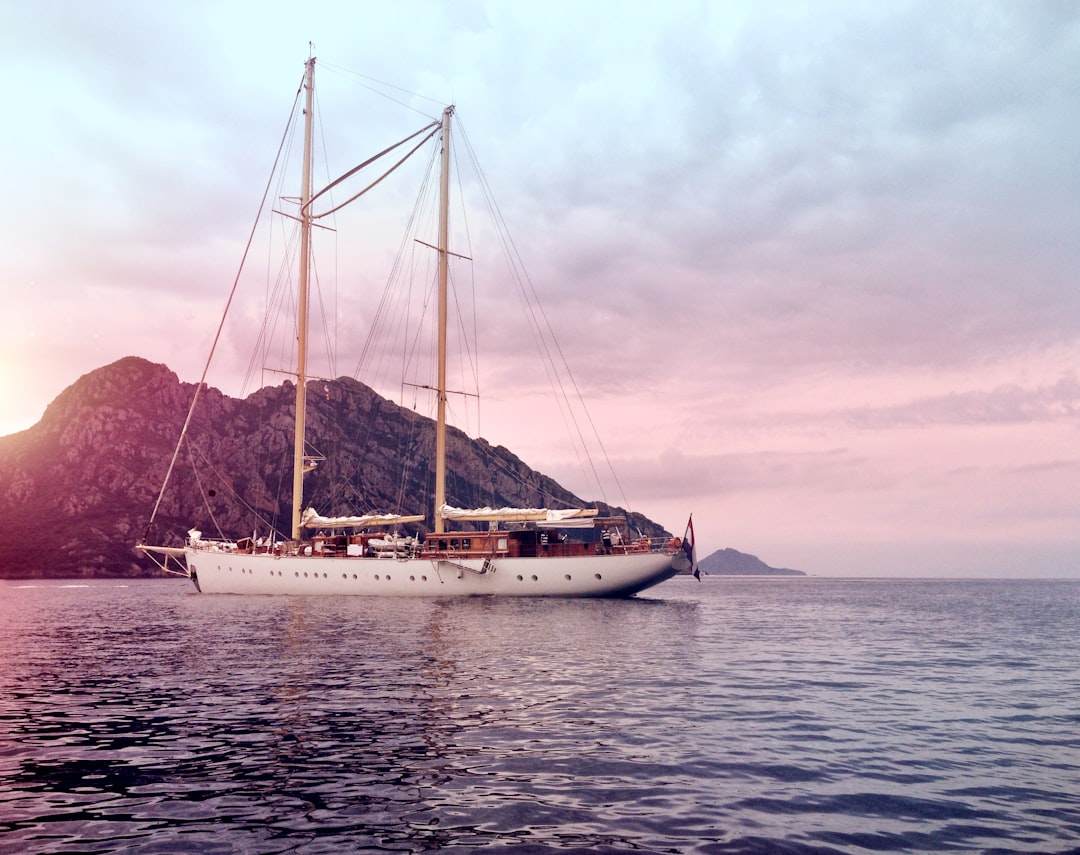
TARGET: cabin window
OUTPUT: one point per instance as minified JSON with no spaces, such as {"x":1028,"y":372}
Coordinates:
{"x":466,"y":543}
{"x":442,"y":544}
{"x":501,"y":543}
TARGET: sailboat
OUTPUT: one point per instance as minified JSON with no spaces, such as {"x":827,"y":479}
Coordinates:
{"x":518,"y":552}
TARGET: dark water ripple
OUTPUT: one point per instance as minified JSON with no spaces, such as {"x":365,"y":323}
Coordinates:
{"x":731,"y":716}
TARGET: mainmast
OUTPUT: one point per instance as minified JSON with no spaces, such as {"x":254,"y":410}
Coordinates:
{"x":302,"y":305}
{"x":444,"y":253}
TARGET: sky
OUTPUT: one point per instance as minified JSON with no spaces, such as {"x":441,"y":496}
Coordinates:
{"x":815,"y":265}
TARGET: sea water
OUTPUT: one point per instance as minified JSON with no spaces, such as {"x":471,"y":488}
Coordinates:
{"x":730,"y":715}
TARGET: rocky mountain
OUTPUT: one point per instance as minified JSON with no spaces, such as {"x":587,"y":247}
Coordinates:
{"x":77,"y":489}
{"x":731,"y":562}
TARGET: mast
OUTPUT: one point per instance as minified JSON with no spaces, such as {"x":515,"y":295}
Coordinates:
{"x":444,"y":230}
{"x":302,"y":305}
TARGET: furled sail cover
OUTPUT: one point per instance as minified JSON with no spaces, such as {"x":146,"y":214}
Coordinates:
{"x":564,"y":518}
{"x":311,"y":519}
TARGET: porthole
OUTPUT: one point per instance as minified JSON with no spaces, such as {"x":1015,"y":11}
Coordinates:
{"x":423,"y":578}
{"x":376,"y":577}
{"x":412,"y":578}
{"x":567,"y":577}
{"x":344,"y":575}
{"x":305,"y":575}
{"x":354,"y":575}
{"x":597,"y":575}
{"x":534,"y":577}
{"x":297,"y":574}
{"x":324,"y":575}
{"x":521,"y":578}
{"x":387,"y":577}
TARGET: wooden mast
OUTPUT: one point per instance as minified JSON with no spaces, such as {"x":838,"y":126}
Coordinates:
{"x":302,"y":306}
{"x":444,"y":230}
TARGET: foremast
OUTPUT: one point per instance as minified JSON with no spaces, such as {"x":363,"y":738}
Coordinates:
{"x":444,"y":253}
{"x":302,"y":305}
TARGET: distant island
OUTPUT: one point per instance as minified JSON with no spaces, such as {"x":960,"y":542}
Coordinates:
{"x":731,"y":562}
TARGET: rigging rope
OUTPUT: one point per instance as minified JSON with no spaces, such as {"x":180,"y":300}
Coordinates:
{"x":543,"y":331}
{"x":541,"y":326}
{"x":433,"y":127}
{"x":224,"y":480}
{"x":221,"y":324}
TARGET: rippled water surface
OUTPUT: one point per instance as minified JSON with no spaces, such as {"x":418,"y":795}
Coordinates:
{"x":733,"y":715}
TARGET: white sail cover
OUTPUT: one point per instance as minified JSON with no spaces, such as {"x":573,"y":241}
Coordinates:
{"x":563,"y":518}
{"x":311,"y":519}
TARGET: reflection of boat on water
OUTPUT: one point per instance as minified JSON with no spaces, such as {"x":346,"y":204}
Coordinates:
{"x":487,"y":551}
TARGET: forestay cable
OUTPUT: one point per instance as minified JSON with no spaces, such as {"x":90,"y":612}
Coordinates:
{"x":224,"y":315}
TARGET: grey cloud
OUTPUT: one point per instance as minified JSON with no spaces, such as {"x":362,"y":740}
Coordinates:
{"x":1010,"y":404}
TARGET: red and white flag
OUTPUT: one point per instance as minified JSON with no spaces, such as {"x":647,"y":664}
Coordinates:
{"x":690,"y":548}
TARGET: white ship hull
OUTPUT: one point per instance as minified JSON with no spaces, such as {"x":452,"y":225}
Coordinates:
{"x":577,"y":576}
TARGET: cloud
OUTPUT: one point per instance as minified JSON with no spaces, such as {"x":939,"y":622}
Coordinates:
{"x":1010,"y":404}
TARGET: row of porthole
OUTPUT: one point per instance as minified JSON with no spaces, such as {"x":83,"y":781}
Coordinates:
{"x":520,"y":578}
{"x":568,"y":578}
{"x":343,"y":575}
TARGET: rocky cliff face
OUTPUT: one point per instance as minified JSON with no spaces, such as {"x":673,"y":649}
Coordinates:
{"x":77,"y":489}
